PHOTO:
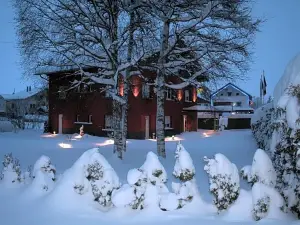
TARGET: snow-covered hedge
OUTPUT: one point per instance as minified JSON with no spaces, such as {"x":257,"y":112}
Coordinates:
{"x":278,"y":131}
{"x":224,"y":180}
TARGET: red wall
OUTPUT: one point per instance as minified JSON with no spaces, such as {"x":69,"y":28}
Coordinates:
{"x":95,"y":104}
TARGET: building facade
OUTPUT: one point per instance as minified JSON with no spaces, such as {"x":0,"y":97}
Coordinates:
{"x":91,"y":106}
{"x":229,"y":102}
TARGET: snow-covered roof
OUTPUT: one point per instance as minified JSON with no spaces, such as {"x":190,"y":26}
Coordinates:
{"x":233,"y":86}
{"x":199,"y":108}
{"x":22,"y":94}
{"x":226,"y":108}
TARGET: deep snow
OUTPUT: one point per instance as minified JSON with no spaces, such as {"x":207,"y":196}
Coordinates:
{"x":18,"y":207}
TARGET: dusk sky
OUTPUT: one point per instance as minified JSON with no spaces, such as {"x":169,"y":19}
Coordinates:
{"x":276,"y":44}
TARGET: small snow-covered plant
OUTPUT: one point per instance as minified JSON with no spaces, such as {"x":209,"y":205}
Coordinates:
{"x":246,"y":173}
{"x":265,"y":199}
{"x":43,"y":173}
{"x":11,"y":172}
{"x":145,"y":185}
{"x":262,"y":169}
{"x":261,"y":207}
{"x":102,"y":182}
{"x":224,"y":180}
{"x":184,"y":170}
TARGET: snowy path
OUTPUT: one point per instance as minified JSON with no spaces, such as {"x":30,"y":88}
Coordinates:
{"x":238,"y":146}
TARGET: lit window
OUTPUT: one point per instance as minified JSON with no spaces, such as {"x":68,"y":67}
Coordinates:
{"x":167,"y":121}
{"x":187,"y":95}
{"x":108,"y":122}
{"x":90,"y":118}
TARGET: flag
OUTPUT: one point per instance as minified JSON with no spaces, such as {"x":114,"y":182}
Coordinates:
{"x":263,"y":85}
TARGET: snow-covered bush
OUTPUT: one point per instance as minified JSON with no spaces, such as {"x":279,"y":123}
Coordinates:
{"x":262,"y":169}
{"x":184,"y":170}
{"x":91,"y":177}
{"x":246,"y":173}
{"x":43,"y":174}
{"x":266,"y":201}
{"x":224,"y":180}
{"x":145,"y":186}
{"x":11,"y":172}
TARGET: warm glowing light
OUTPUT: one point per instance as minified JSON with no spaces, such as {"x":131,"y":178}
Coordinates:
{"x":135,"y":91}
{"x":77,"y":136}
{"x":179,"y":94}
{"x":48,"y":135}
{"x":173,"y":138}
{"x":194,"y":95}
{"x":209,"y":133}
{"x":54,"y":132}
{"x":121,"y":90}
{"x":64,"y":145}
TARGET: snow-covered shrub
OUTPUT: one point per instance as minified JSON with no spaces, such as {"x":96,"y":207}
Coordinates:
{"x":11,"y":172}
{"x":224,"y":180}
{"x":184,"y":170}
{"x":246,"y":173}
{"x":91,"y":177}
{"x":145,"y":186}
{"x":43,"y":174}
{"x":266,"y":201}
{"x":262,"y":169}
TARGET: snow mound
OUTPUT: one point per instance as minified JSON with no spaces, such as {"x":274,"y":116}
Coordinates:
{"x":43,"y":175}
{"x":260,"y":113}
{"x":154,"y":170}
{"x":291,"y":76}
{"x":262,"y":169}
{"x":241,"y":210}
{"x":224,"y":180}
{"x":267,"y":202}
{"x":91,"y":178}
{"x":184,"y":168}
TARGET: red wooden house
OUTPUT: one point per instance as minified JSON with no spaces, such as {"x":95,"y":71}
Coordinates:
{"x":90,"y":106}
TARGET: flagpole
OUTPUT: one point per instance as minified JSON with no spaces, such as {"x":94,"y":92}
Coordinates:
{"x":263,"y":96}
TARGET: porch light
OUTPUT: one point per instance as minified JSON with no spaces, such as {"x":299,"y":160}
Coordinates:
{"x":64,"y":145}
{"x":54,"y":132}
{"x":173,"y":137}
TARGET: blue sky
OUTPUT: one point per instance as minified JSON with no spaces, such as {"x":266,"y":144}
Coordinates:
{"x":276,"y":44}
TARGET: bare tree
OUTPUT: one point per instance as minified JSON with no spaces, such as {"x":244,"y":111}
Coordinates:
{"x":199,"y":38}
{"x":69,"y":34}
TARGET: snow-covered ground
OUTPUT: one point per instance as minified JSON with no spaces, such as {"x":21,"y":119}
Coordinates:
{"x":18,"y":207}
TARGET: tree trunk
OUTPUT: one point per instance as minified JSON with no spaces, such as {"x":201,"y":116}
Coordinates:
{"x":117,"y":128}
{"x":160,"y":93}
{"x":160,"y":116}
{"x":126,"y":82}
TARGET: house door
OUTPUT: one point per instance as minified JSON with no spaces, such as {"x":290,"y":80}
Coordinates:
{"x":184,"y":123}
{"x":60,"y":123}
{"x":147,"y":126}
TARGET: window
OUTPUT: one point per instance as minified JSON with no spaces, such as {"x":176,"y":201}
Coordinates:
{"x":77,"y":118}
{"x":12,"y":105}
{"x":237,"y":94}
{"x":187,"y":95}
{"x":90,"y":118}
{"x":239,"y":104}
{"x":62,"y":92}
{"x":169,"y":94}
{"x":146,"y":91}
{"x":221,"y":94}
{"x":229,"y":93}
{"x":108,"y":122}
{"x":167,"y":122}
